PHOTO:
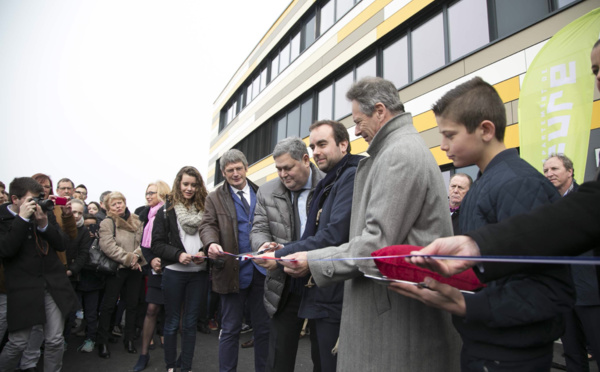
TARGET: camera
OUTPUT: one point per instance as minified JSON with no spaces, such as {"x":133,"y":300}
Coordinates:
{"x":46,"y":204}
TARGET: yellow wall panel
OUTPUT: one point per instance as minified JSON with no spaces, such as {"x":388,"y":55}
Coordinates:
{"x":261,"y":164}
{"x":596,"y":115}
{"x":424,"y":121}
{"x":439,"y":155}
{"x":359,"y":145}
{"x":511,"y":136}
{"x":401,"y":16}
{"x":220,"y":141}
{"x":509,"y":89}
{"x":363,"y":17}
{"x":271,"y":176}
{"x":211,"y":172}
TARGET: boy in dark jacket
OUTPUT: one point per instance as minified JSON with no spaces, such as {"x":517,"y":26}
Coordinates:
{"x":512,"y":323}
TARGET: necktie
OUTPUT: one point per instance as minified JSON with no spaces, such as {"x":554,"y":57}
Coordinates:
{"x":244,"y":202}
{"x":297,"y":223}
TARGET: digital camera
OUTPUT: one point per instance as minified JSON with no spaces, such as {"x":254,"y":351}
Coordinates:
{"x":46,"y":204}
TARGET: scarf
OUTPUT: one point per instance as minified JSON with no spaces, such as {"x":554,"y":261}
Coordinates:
{"x":79,"y":222}
{"x":189,"y":219}
{"x":147,"y":237}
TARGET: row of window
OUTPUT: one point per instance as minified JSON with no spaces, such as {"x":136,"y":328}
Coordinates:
{"x":452,"y":31}
{"x":315,"y":23}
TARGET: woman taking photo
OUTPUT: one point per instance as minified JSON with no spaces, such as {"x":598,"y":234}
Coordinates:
{"x":156,"y":194}
{"x":120,"y":237}
{"x":175,"y":239}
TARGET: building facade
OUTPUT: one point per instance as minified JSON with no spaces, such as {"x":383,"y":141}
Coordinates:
{"x":300,"y":70}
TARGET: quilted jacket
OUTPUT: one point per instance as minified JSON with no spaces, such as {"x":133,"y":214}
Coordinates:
{"x":517,"y":317}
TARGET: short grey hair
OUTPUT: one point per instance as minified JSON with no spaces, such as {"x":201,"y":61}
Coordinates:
{"x":291,"y":145}
{"x":463,"y":175}
{"x":232,"y":156}
{"x":567,"y":163}
{"x":372,"y":90}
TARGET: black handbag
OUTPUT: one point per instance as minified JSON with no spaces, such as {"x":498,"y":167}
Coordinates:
{"x":98,"y":261}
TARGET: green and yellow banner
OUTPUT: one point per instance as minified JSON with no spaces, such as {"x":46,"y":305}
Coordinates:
{"x":555,"y":104}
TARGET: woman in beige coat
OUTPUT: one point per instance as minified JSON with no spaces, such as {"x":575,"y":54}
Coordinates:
{"x":120,"y":237}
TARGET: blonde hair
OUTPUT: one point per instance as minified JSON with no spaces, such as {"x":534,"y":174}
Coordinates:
{"x":162,"y":189}
{"x":77,"y":201}
{"x":113,"y":195}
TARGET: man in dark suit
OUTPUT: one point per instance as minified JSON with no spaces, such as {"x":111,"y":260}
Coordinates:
{"x":38,"y":289}
{"x":460,"y":183}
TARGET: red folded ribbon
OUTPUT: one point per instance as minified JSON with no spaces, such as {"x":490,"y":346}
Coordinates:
{"x":398,"y":268}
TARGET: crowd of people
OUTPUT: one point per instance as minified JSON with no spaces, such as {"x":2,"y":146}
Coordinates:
{"x":170,"y":264}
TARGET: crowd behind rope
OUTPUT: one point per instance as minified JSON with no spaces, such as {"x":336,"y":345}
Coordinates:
{"x":174,"y":274}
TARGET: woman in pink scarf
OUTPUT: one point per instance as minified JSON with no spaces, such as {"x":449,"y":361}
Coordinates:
{"x":156,"y":193}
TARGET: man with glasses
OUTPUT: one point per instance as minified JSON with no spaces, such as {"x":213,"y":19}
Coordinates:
{"x":81,"y":193}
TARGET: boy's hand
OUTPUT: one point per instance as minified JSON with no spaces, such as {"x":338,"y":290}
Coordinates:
{"x":453,"y":246}
{"x":439,"y":295}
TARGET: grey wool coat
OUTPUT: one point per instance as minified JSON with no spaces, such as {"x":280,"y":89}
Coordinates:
{"x":399,"y":198}
{"x":274,"y":222}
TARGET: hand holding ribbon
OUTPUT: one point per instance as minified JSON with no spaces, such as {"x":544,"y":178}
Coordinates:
{"x":296,"y":265}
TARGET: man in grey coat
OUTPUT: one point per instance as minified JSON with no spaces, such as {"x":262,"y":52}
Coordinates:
{"x":275,"y":220}
{"x":399,"y":198}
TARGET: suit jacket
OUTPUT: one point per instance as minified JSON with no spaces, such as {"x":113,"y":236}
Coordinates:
{"x":399,"y":198}
{"x":219,"y":225}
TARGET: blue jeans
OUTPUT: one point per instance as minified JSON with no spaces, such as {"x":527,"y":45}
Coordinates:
{"x":182,"y":293}
{"x":232,"y":310}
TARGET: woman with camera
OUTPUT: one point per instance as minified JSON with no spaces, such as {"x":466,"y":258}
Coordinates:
{"x":156,"y":194}
{"x":120,"y":238}
{"x":176,"y":240}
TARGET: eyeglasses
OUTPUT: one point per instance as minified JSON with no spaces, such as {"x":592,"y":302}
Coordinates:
{"x":65,"y":188}
{"x":150,"y":193}
{"x":81,"y":192}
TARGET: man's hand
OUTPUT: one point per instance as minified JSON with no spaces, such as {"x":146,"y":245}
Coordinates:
{"x":268,"y":264}
{"x":269,"y":247}
{"x":136,"y":267}
{"x":41,"y":217}
{"x":215,"y":251}
{"x":27,"y":209}
{"x":69,"y":273}
{"x":198,"y":258}
{"x":453,"y":246}
{"x":185,"y":258}
{"x":156,"y":264}
{"x":441,"y":296}
{"x":297,"y":268}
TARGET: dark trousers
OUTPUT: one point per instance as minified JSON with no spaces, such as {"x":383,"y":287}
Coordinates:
{"x":131,"y":280}
{"x":203,"y":316}
{"x":284,"y":335}
{"x":327,"y":333}
{"x":582,"y":324}
{"x":182,"y":292}
{"x":89,"y":301}
{"x":232,"y":310}
{"x":539,"y":364}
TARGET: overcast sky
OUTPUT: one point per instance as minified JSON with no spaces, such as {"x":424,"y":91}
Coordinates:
{"x":116,"y":94}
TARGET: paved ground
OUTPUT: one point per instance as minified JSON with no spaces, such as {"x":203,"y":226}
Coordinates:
{"x":205,"y":358}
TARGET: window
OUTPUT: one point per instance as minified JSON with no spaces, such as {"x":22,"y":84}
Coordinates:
{"x":255,"y":87}
{"x":309,"y":32}
{"x":395,"y":62}
{"x":368,"y":68}
{"x":274,"y":67}
{"x":428,"y":47}
{"x":467,"y":26}
{"x":284,"y":57}
{"x":249,"y":93}
{"x":295,"y":47}
{"x":327,"y":17}
{"x":513,"y":15}
{"x":342,"y":107}
{"x":326,"y":104}
{"x":281,"y":128}
{"x":263,"y":79}
{"x":343,"y":6}
{"x":293,"y":122}
{"x":306,"y":117}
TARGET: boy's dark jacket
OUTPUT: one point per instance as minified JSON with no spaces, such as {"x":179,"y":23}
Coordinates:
{"x":519,"y":316}
{"x":29,"y":272}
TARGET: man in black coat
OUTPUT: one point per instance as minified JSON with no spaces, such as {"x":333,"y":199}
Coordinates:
{"x":38,"y":290}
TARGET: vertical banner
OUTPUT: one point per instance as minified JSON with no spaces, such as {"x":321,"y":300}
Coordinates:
{"x":555,"y":104}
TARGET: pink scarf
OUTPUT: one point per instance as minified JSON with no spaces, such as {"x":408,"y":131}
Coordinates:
{"x":147,"y":239}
